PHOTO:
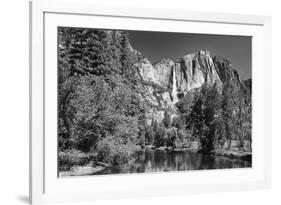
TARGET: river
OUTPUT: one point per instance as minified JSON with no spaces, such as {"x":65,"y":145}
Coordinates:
{"x":150,"y":160}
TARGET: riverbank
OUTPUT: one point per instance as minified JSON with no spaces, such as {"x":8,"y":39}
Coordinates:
{"x":160,"y":160}
{"x":92,"y":167}
{"x":240,"y":155}
{"x":190,"y":147}
{"x":83,"y":170}
{"x":194,"y":147}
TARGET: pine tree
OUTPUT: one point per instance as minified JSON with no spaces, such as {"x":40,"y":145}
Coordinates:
{"x":167,"y":120}
{"x":197,"y":116}
{"x":228,"y":110}
{"x":212,"y":109}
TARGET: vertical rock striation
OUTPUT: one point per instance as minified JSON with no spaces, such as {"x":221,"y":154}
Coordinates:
{"x":194,"y":70}
{"x":167,"y":81}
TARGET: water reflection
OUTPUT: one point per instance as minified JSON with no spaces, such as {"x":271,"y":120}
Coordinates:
{"x":162,"y":161}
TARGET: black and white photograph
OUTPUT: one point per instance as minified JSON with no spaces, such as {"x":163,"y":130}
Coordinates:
{"x":139,"y":102}
{"x":149,"y":101}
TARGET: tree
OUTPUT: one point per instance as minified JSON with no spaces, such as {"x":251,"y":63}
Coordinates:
{"x":197,"y":116}
{"x":228,"y":110}
{"x":171,"y":137}
{"x":205,"y":115}
{"x":149,"y":135}
{"x":185,"y":106}
{"x":155,"y":125}
{"x":243,"y":116}
{"x":167,"y":120}
{"x":212,"y":112}
{"x":160,"y":136}
{"x":98,"y":113}
{"x":127,"y":58}
{"x":98,"y":96}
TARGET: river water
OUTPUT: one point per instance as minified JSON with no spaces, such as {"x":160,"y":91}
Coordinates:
{"x":161,"y":161}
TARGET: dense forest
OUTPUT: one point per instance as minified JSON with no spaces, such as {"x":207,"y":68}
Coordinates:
{"x":103,"y":108}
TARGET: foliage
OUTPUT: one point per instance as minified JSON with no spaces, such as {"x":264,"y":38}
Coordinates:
{"x":212,"y":111}
{"x":167,"y":120}
{"x":183,"y":138}
{"x":97,"y":92}
{"x":197,"y":115}
{"x":149,"y":135}
{"x":114,"y":151}
{"x":214,"y":117}
{"x":171,"y":137}
{"x":71,"y":158}
{"x":160,"y":136}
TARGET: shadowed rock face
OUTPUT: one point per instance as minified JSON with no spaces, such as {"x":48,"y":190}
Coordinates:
{"x":159,"y":73}
{"x":188,"y":72}
{"x":163,"y":70}
{"x":168,"y":81}
{"x":192,"y":71}
{"x":248,"y":84}
{"x":225,"y":70}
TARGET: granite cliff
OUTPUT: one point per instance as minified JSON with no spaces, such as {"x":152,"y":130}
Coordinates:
{"x":166,"y":81}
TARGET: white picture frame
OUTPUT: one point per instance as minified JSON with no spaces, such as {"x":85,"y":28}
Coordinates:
{"x":45,"y":187}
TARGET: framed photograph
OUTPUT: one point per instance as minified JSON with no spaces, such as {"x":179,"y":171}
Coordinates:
{"x":129,"y":102}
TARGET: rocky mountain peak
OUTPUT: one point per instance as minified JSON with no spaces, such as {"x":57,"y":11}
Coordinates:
{"x":204,"y":52}
{"x":225,"y":70}
{"x":188,"y":73}
{"x":194,"y":70}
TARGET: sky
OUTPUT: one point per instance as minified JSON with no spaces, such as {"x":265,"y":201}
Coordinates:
{"x":158,"y":45}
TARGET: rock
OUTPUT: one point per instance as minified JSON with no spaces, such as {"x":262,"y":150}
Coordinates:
{"x":178,"y":149}
{"x":162,"y":71}
{"x":247,"y":146}
{"x":166,"y":81}
{"x":150,"y":146}
{"x":146,"y":70}
{"x":194,"y":70}
{"x":103,"y":164}
{"x":166,"y":101}
{"x":195,"y":145}
{"x":162,"y":148}
{"x":81,"y":170}
{"x":239,"y":155}
{"x":248,"y":84}
{"x":226,"y":71}
{"x":169,"y":148}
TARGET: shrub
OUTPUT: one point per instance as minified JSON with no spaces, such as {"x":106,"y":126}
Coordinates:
{"x":149,"y":135}
{"x":160,"y":137}
{"x":171,"y":137}
{"x":167,"y":121}
{"x":184,"y":137}
{"x":114,"y":152}
{"x":71,"y":158}
{"x":141,"y":141}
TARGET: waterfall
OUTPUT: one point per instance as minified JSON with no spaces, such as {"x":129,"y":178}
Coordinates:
{"x":174,"y":87}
